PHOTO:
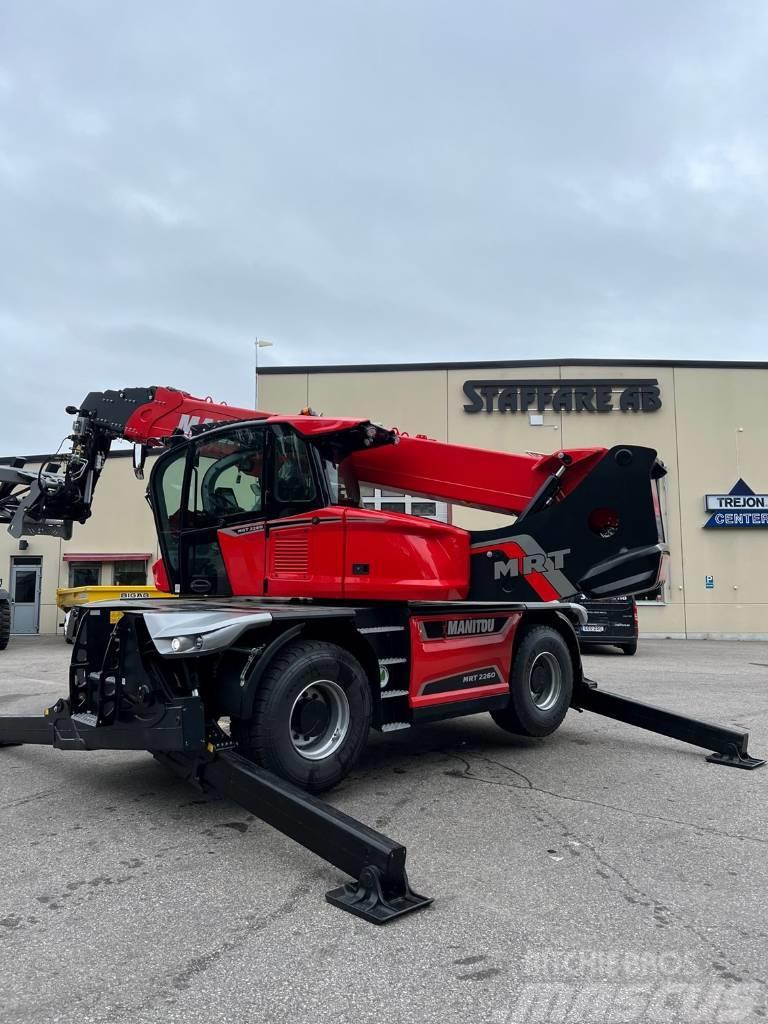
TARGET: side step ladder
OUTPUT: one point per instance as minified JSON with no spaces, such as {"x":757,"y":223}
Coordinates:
{"x":380,"y":891}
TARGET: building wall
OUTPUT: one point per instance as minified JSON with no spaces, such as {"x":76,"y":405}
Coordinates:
{"x":723,"y":435}
{"x":710,"y":430}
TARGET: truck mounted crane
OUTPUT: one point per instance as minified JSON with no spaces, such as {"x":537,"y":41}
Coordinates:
{"x":301,"y":619}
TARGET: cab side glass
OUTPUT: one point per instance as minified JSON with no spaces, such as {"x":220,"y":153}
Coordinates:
{"x":227,"y":477}
{"x":168,"y":490}
{"x":294,"y":488}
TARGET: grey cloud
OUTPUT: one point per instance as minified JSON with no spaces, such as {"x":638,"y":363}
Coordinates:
{"x":372,"y":181}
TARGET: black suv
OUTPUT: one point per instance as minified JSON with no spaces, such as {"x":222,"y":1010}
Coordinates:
{"x":611,"y":621}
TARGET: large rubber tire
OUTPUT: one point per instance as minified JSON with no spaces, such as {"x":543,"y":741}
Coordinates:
{"x":5,"y":624}
{"x":322,"y":671}
{"x":630,"y":648}
{"x":540,"y":686}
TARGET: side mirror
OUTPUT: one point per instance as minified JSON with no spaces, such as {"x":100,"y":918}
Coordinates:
{"x":139,"y":458}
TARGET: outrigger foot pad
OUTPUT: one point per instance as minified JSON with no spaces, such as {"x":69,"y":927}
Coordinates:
{"x":732,"y":757}
{"x":366,"y":898}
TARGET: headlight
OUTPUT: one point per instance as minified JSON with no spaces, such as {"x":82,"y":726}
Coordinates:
{"x":181,"y":644}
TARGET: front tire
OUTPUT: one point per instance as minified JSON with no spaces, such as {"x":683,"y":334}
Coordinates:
{"x":540,"y":685}
{"x":311,"y":716}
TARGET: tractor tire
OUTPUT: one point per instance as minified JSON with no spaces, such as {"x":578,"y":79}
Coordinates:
{"x":5,"y":624}
{"x":311,"y":716}
{"x":540,"y":686}
{"x":630,"y":648}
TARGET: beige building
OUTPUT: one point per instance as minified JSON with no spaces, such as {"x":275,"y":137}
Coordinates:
{"x":706,"y":420}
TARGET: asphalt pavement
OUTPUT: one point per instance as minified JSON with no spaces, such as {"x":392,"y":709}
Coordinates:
{"x":603,"y":874}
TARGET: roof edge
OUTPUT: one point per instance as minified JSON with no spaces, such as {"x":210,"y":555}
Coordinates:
{"x":482,"y":364}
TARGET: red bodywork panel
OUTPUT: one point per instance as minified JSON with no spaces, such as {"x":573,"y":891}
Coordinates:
{"x":480,"y":477}
{"x":347,"y":553}
{"x":461,"y":657}
{"x":426,"y":560}
{"x":160,"y":576}
{"x":243,"y":549}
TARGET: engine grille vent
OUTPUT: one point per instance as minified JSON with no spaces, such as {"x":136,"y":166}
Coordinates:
{"x":290,"y":552}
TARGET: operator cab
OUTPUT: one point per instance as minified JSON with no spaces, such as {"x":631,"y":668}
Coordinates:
{"x":258,"y":509}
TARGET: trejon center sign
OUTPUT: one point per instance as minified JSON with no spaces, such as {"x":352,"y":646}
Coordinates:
{"x":740,"y":507}
{"x":558,"y":395}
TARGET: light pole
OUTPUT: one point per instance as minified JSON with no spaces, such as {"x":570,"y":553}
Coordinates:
{"x":259,"y":343}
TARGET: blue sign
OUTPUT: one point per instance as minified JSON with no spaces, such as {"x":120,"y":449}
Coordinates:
{"x":741,"y":507}
{"x":709,"y":582}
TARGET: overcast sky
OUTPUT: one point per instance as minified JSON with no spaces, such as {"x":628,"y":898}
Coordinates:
{"x":371,"y":180}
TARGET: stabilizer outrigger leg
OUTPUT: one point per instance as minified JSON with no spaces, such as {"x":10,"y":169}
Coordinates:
{"x":17,"y":730}
{"x":729,"y":745}
{"x":380,"y":890}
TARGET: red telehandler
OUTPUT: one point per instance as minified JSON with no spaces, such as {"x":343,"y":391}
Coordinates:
{"x":304,"y":619}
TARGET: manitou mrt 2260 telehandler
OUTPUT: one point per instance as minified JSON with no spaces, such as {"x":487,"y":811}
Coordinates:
{"x":304,"y":619}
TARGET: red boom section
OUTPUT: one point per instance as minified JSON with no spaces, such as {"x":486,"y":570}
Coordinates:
{"x":172,"y":410}
{"x":496,"y":481}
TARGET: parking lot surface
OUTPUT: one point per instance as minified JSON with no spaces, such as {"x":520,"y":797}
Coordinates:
{"x":602,"y":874}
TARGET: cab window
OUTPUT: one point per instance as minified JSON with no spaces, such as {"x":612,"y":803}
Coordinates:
{"x":342,"y":484}
{"x":167,"y":485}
{"x":227,"y":476}
{"x":294,"y":489}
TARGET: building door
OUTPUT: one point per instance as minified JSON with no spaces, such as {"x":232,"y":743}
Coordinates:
{"x":25,"y":595}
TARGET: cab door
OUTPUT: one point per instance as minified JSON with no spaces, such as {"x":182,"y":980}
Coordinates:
{"x":226,"y":498}
{"x":304,"y":537}
{"x":211,"y":519}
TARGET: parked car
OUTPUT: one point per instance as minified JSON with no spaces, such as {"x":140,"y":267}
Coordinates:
{"x":611,"y":621}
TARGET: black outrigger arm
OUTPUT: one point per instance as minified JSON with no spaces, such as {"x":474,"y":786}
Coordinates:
{"x":728,"y":745}
{"x":380,"y":890}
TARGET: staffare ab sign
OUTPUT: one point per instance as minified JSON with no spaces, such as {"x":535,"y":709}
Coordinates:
{"x":741,"y":507}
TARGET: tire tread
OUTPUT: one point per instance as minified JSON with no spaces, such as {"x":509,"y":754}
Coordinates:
{"x":5,"y":624}
{"x":253,"y":735}
{"x":510,"y":718}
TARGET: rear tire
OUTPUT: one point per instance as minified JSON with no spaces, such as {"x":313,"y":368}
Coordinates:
{"x":5,"y":624}
{"x":311,"y":716}
{"x":630,"y":648}
{"x":540,"y":686}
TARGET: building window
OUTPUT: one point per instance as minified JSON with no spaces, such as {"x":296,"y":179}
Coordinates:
{"x":659,"y":594}
{"x":84,"y":574}
{"x":129,"y":573}
{"x":655,"y":596}
{"x":395,"y":501}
